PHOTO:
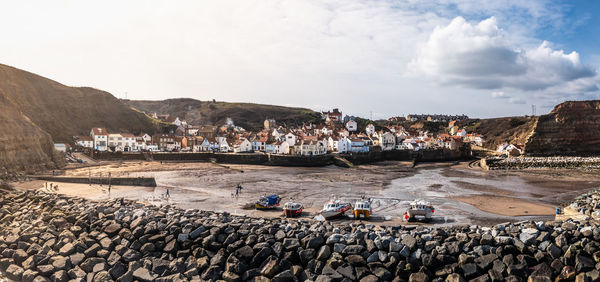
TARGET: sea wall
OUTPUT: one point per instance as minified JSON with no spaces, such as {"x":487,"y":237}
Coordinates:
{"x":126,"y":181}
{"x":62,"y":238}
{"x":288,"y":160}
{"x":541,"y":162}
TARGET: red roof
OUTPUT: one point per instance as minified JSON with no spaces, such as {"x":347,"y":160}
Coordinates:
{"x":100,"y":131}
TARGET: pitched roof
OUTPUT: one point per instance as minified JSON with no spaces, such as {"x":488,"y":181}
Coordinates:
{"x":100,"y":131}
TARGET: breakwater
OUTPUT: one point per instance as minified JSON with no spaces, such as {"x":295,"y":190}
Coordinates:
{"x":51,"y":237}
{"x":291,"y":160}
{"x":126,"y":181}
{"x":541,"y":162}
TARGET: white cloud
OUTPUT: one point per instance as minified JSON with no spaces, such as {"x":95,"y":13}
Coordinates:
{"x":350,"y":54}
{"x":516,"y":101}
{"x":499,"y":95}
{"x":482,"y":56}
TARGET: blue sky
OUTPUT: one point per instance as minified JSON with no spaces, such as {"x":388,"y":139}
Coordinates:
{"x":483,"y":58}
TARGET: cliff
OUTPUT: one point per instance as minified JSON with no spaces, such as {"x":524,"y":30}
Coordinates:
{"x":36,"y":112}
{"x":497,"y":131}
{"x":572,"y":128}
{"x":23,"y":145}
{"x":65,"y":111}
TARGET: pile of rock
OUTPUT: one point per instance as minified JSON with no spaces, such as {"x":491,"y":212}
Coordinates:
{"x":587,"y":204}
{"x":544,"y":162}
{"x":47,"y":237}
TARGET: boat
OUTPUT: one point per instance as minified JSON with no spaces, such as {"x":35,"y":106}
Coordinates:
{"x":292,"y":209}
{"x":362,"y":209}
{"x":419,"y":209}
{"x":335,"y":208}
{"x":268,"y":202}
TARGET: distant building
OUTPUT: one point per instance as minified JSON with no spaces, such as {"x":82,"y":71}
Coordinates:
{"x":332,"y":116}
{"x":84,"y":141}
{"x":370,"y":129}
{"x":60,"y":147}
{"x":351,"y":125}
{"x":269,"y":124}
{"x":436,"y":118}
{"x":100,"y":137}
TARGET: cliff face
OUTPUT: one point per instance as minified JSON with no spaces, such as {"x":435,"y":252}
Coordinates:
{"x":36,"y":112}
{"x":572,"y":128}
{"x":65,"y":111}
{"x":23,"y":145}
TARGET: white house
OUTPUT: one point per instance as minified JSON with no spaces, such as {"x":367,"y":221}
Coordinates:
{"x":61,"y":147}
{"x":387,"y":141}
{"x":85,"y":141}
{"x":129,"y":142}
{"x":100,"y":137}
{"x":115,"y":142}
{"x":242,"y":145}
{"x":311,"y":148}
{"x":370,"y":129}
{"x":278,"y":147}
{"x":224,"y":146}
{"x":343,"y":145}
{"x":140,"y":144}
{"x":259,"y":144}
{"x":351,"y":125}
{"x":510,"y":149}
{"x":290,"y":138}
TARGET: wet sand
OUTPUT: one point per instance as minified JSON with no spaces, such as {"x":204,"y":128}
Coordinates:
{"x":459,"y":194}
{"x":507,"y":206}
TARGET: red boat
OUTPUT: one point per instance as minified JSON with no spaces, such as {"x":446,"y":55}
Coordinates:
{"x":291,"y":209}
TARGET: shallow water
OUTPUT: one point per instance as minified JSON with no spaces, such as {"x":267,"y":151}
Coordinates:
{"x":432,"y":185}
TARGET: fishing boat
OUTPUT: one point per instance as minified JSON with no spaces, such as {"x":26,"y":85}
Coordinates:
{"x":268,"y":202}
{"x":335,"y":208}
{"x":419,"y":209}
{"x":292,"y":209}
{"x":362,"y":209}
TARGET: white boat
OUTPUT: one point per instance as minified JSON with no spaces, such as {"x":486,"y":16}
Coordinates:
{"x":419,"y":208}
{"x":335,"y":208}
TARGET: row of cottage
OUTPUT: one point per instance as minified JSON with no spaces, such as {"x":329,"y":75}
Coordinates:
{"x":307,"y":140}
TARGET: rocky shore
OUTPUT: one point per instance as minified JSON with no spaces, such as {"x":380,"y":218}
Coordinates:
{"x":48,"y":237}
{"x":543,"y":162}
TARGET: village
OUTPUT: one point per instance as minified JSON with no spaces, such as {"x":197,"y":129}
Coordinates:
{"x":336,"y":134}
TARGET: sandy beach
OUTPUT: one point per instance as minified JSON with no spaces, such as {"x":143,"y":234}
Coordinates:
{"x":460,"y":194}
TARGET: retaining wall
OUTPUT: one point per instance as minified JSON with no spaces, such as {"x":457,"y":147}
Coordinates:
{"x":289,"y":160}
{"x":125,"y":181}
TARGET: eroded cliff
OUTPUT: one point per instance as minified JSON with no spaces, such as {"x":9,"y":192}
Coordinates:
{"x":572,"y":128}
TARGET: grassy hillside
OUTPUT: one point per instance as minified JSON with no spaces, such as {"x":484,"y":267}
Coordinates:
{"x":247,"y":115}
{"x":497,"y":131}
{"x":64,"y":111}
{"x":23,"y":145}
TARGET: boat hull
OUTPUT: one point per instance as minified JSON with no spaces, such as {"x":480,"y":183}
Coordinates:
{"x":332,"y":214}
{"x":263,"y":207}
{"x":293,"y":213}
{"x":358,"y":214}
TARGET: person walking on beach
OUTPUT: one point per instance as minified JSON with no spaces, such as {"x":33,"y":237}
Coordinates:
{"x":167,"y":193}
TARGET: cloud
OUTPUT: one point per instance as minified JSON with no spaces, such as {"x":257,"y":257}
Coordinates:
{"x":516,"y":101}
{"x":482,"y":56}
{"x":499,"y":95}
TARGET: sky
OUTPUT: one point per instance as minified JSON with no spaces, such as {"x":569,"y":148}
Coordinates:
{"x":485,"y":58}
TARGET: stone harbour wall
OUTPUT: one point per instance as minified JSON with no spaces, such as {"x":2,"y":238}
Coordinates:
{"x":543,"y":162}
{"x":48,"y":237}
{"x":435,"y":155}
